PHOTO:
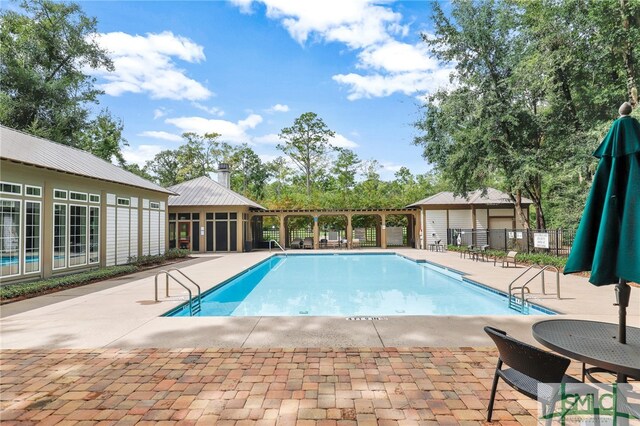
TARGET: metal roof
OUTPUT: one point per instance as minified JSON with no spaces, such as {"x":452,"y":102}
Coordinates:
{"x":204,"y":191}
{"x":28,"y":149}
{"x":493,"y":196}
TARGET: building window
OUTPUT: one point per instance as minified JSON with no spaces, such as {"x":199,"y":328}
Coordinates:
{"x":94,"y":198}
{"x":9,"y":237}
{"x":184,"y":216}
{"x":77,"y":196}
{"x":77,"y":235}
{"x":59,"y":194}
{"x":154,"y":205}
{"x":33,"y":191}
{"x":10,"y":188}
{"x":32,"y":237}
{"x":124,"y":201}
{"x":94,"y":234}
{"x":59,"y":236}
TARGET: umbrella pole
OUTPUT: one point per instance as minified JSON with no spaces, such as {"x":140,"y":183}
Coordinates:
{"x":623,"y":291}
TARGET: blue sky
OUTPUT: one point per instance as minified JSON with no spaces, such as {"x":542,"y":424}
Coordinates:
{"x":246,"y":69}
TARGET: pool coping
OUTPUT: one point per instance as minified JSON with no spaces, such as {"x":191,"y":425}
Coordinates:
{"x":463,"y":275}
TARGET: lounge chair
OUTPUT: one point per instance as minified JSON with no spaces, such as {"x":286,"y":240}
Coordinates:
{"x":308,"y":243}
{"x":296,"y":243}
{"x":531,"y":371}
{"x":509,"y":258}
{"x":355,"y":243}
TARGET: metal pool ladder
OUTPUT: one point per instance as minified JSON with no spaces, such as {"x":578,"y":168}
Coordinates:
{"x":520,"y":304}
{"x":195,"y":303}
{"x":276,"y":243}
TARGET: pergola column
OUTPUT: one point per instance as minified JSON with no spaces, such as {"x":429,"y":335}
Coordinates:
{"x":383,"y":230}
{"x":349,"y":231}
{"x":417,"y":228}
{"x":282,"y":231}
{"x":316,"y":233}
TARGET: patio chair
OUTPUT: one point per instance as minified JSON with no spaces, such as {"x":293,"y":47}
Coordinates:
{"x":509,"y":258}
{"x":307,"y":243}
{"x":296,"y":243}
{"x":529,"y":367}
{"x":355,"y":243}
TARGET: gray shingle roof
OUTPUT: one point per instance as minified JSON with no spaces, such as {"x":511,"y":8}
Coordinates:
{"x":493,"y":196}
{"x":204,"y":191}
{"x":28,"y":149}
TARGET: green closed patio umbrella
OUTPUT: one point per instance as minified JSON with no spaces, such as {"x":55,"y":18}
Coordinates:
{"x":607,"y":242}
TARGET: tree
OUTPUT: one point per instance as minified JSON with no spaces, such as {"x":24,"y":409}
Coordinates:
{"x":248,"y":174}
{"x":43,"y":89}
{"x":164,"y":167}
{"x":103,"y":138}
{"x":345,"y":169}
{"x":307,"y":144}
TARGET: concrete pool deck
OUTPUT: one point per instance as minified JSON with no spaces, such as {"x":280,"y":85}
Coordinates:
{"x":126,"y":315}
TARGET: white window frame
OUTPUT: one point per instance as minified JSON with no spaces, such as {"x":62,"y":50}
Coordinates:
{"x":66,"y":194}
{"x":89,"y":233}
{"x":66,"y":237}
{"x":4,"y":182}
{"x":26,"y":188}
{"x":19,"y":237}
{"x":86,"y":234}
{"x":84,"y":194}
{"x":94,"y":201}
{"x":24,"y":246}
{"x":128,"y":200}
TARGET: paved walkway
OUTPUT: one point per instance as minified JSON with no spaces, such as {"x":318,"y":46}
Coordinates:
{"x":386,"y":386}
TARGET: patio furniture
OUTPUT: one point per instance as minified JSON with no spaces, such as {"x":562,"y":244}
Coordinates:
{"x":324,"y":243}
{"x":307,"y":243}
{"x":296,"y":243}
{"x":469,"y":251}
{"x":509,"y":258}
{"x":437,"y":246}
{"x":593,"y":343}
{"x":355,"y":243}
{"x":533,"y":372}
{"x":482,"y":253}
{"x":334,"y":240}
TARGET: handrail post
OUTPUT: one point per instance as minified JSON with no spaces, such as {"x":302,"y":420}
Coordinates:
{"x":557,"y":283}
{"x":544,"y":291}
{"x":156,"y":287}
{"x":166,"y":283}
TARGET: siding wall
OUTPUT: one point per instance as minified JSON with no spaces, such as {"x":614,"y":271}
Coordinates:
{"x":436,"y":224}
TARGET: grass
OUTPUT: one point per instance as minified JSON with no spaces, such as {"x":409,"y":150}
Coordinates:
{"x":35,"y":288}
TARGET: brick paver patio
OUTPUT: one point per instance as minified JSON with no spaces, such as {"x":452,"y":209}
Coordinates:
{"x":311,"y":386}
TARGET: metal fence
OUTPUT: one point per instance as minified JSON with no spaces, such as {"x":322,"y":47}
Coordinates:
{"x":557,"y":242}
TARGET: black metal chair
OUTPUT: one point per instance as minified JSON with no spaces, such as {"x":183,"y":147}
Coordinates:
{"x":529,"y":367}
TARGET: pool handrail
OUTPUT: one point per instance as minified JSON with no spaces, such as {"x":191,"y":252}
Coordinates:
{"x":276,"y":243}
{"x":194,"y":304}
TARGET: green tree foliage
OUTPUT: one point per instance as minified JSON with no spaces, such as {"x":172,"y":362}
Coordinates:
{"x":248,"y":173}
{"x":306,"y":143}
{"x":536,"y":86}
{"x":345,"y":169}
{"x":43,"y":89}
{"x":103,"y":138}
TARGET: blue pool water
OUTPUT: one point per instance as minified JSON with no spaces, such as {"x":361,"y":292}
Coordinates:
{"x":349,"y":285}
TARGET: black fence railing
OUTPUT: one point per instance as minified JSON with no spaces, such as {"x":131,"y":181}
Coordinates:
{"x":557,"y":242}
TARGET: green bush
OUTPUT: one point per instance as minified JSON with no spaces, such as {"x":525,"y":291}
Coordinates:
{"x":11,"y":291}
{"x":526,"y":258}
{"x":159,"y":258}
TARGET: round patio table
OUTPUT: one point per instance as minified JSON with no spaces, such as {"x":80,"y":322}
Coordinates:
{"x":592,"y":342}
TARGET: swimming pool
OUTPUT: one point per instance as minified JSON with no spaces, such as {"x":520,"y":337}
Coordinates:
{"x":349,"y":285}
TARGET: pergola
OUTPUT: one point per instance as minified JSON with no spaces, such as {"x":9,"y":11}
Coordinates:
{"x":412,"y":214}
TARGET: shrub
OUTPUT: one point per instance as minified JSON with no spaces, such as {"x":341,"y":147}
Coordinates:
{"x":176,"y":253}
{"x":159,"y":258}
{"x":526,"y":258}
{"x":10,"y":291}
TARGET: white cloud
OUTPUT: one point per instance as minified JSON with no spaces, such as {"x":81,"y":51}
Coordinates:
{"x":144,"y":64}
{"x":270,"y":139}
{"x":161,"y":135}
{"x":339,"y":141}
{"x":279,"y":108}
{"x":211,"y":110}
{"x":390,"y":66}
{"x":230,"y":131}
{"x":159,"y":113}
{"x":140,"y":154}
{"x":377,"y":85}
